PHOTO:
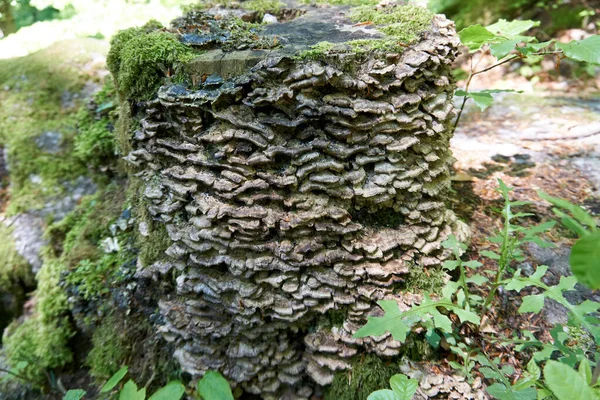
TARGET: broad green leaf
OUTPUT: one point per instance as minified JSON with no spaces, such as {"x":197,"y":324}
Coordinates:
{"x":171,"y":391}
{"x":449,"y":289}
{"x":433,"y":338}
{"x":404,"y":387}
{"x":476,"y":36}
{"x":213,"y":386}
{"x":532,"y":303}
{"x":587,"y":307}
{"x":490,"y":254}
{"x":482,"y":100}
{"x":585,"y":260}
{"x":450,"y":265}
{"x":534,"y":369}
{"x":533,"y":47}
{"x":511,"y":29}
{"x":579,"y":213}
{"x":385,"y":394}
{"x":502,"y":49}
{"x":472,"y":264}
{"x":585,"y":370}
{"x":75,"y":394}
{"x":566,"y":283}
{"x":570,"y":223}
{"x":114,"y":380}
{"x":500,"y":392}
{"x":477,"y":279}
{"x":454,"y":245}
{"x":565,"y":383}
{"x":466,"y":316}
{"x":587,"y":50}
{"x":529,"y":393}
{"x":441,"y":321}
{"x":391,"y":322}
{"x":544,"y":394}
{"x":131,"y":392}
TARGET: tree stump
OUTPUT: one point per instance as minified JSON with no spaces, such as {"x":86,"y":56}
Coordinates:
{"x":300,"y":169}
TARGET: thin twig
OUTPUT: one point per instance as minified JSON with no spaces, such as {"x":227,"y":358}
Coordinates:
{"x":473,"y":74}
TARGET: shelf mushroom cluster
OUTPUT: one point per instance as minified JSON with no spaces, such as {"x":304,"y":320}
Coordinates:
{"x":300,"y":190}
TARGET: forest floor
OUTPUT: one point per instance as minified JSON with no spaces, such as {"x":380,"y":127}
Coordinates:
{"x":545,"y":141}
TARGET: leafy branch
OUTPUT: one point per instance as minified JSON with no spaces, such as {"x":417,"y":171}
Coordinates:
{"x":503,"y":38}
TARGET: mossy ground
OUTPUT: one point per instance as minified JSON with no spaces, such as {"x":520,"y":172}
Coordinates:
{"x":34,"y":88}
{"x":368,"y":374}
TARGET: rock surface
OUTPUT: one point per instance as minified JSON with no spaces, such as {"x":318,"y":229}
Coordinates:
{"x":294,"y":191}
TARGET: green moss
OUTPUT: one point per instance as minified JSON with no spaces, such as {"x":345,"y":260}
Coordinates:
{"x":343,"y":2}
{"x":42,"y":339}
{"x":95,"y":140}
{"x":119,"y":40}
{"x":110,"y":348}
{"x":417,"y":348}
{"x":35,"y":104}
{"x":421,"y":280}
{"x":139,"y":61}
{"x":368,"y":374}
{"x":42,"y":345}
{"x":263,"y":6}
{"x":401,"y":23}
{"x":153,"y":247}
{"x":14,"y":269}
{"x":316,"y":51}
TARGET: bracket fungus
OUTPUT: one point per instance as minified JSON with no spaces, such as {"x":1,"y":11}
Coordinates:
{"x":295,"y":181}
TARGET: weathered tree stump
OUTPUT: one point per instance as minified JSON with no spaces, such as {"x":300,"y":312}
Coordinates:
{"x":298,"y":184}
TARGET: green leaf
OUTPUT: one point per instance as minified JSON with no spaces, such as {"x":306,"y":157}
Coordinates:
{"x":213,"y":386}
{"x":441,"y":321}
{"x":483,"y":99}
{"x":404,"y":387}
{"x":534,"y":369}
{"x":587,"y":50}
{"x":114,"y":380}
{"x":579,"y":213}
{"x":511,"y":29}
{"x":171,"y":391}
{"x":476,"y":36}
{"x":499,"y":391}
{"x":490,"y":254}
{"x":75,"y":394}
{"x":450,"y":265}
{"x":385,"y":394}
{"x":565,"y":383}
{"x":472,"y":264}
{"x":131,"y":392}
{"x":585,"y":260}
{"x":544,"y":394}
{"x":570,"y":223}
{"x":532,"y":303}
{"x":391,"y":322}
{"x":502,"y":49}
{"x":477,"y":279}
{"x":466,"y":316}
{"x":533,"y":47}
{"x":585,"y":370}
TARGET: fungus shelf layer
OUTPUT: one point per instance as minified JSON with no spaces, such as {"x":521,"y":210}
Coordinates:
{"x":296,"y":182}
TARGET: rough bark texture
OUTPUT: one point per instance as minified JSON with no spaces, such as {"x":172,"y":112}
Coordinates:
{"x":295,"y":194}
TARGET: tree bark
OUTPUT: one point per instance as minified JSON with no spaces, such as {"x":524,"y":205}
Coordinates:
{"x":7,"y":20}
